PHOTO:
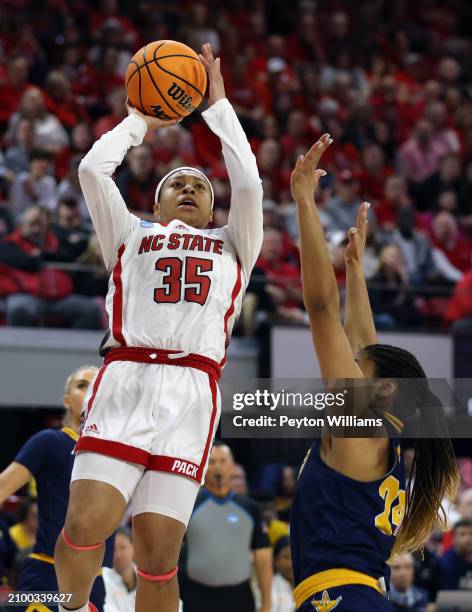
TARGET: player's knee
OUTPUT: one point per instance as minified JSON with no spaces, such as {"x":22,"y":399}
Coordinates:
{"x":155,"y":560}
{"x":83,"y":529}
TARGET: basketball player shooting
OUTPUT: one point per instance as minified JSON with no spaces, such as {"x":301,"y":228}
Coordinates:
{"x":151,"y":414}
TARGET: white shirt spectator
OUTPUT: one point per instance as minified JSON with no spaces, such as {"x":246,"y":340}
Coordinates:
{"x":27,"y":191}
{"x":118,"y":598}
{"x":282,"y":597}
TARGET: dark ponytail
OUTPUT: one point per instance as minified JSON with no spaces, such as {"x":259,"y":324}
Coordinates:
{"x":434,"y":465}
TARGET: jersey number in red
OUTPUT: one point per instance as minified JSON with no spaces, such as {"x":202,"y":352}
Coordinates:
{"x":193,"y":275}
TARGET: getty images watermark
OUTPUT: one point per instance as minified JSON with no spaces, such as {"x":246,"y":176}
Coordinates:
{"x":274,"y":408}
{"x":319,"y":401}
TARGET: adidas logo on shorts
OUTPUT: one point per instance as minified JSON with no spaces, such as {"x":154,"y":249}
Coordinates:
{"x":92,"y":429}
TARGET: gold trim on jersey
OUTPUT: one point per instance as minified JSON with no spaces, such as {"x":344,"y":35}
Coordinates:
{"x":48,"y":559}
{"x":329,"y":579}
{"x":71,"y":433}
{"x":396,"y":423}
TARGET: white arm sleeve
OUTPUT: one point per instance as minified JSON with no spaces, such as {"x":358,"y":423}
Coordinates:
{"x":245,"y":216}
{"x":111,"y":219}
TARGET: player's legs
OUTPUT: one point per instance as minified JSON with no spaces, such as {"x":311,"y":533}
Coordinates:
{"x":100,"y":490}
{"x":157,"y":540}
{"x":162,"y":505}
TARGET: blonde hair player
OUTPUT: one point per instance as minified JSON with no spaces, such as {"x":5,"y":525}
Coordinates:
{"x":175,"y":291}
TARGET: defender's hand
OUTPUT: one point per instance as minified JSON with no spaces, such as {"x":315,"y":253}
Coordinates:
{"x":212,"y":66}
{"x":152,"y":122}
{"x":355,"y":249}
{"x":306,"y":174}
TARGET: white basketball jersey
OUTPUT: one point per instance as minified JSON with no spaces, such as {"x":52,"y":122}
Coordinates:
{"x":174,"y":286}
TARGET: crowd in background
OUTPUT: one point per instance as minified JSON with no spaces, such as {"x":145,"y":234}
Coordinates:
{"x":390,"y":81}
{"x":444,"y":565}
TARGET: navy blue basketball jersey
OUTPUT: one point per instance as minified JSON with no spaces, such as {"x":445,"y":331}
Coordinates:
{"x":338,"y":522}
{"x":48,"y":456}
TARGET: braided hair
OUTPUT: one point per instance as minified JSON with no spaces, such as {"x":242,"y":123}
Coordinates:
{"x":434,"y":464}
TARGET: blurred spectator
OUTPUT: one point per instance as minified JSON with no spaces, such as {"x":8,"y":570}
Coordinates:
{"x":72,"y":234}
{"x":81,"y":141}
{"x":403,"y":594}
{"x":392,"y":305}
{"x":116,"y":103}
{"x":342,"y":210}
{"x":447,"y":179}
{"x":375,"y":172}
{"x":414,"y":245}
{"x":95,"y":280}
{"x":284,"y":284}
{"x":454,"y":568}
{"x":258,"y":298}
{"x":17,"y":156}
{"x":61,"y":102}
{"x":69,"y":188}
{"x":443,"y":138}
{"x":282,"y":583}
{"x":121,"y":580}
{"x":138,"y":182}
{"x":13,"y":87}
{"x":23,"y":533}
{"x":395,"y":197}
{"x":34,"y":187}
{"x":419,"y":157}
{"x":446,"y":238}
{"x":49,"y":132}
{"x":200,"y":32}
{"x":459,"y":308}
{"x":239,"y":480}
{"x":286,"y":492}
{"x":223,"y":521}
{"x":34,"y":290}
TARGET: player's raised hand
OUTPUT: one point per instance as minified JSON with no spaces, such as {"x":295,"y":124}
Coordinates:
{"x":152,"y":122}
{"x":354,"y":251}
{"x":306,"y":174}
{"x":212,"y":66}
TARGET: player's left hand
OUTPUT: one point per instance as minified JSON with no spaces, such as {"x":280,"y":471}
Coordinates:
{"x":355,"y":248}
{"x":306,"y":174}
{"x":212,"y":66}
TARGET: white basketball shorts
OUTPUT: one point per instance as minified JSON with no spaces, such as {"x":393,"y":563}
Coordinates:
{"x":156,"y":409}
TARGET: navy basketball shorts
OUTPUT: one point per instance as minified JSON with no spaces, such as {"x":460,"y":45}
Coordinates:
{"x":349,"y":598}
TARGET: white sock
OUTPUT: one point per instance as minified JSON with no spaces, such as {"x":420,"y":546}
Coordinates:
{"x":82,"y":609}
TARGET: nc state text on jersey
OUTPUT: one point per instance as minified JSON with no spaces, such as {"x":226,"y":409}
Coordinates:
{"x":186,"y":242}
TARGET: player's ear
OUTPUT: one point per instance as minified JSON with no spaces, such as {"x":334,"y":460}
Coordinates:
{"x":66,"y":401}
{"x":156,"y":209}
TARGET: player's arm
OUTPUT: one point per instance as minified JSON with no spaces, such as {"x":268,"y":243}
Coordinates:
{"x":111,"y":219}
{"x":245,"y":216}
{"x":358,"y":319}
{"x":32,"y":457}
{"x":264,"y":563}
{"x":320,"y":290}
{"x":13,"y":478}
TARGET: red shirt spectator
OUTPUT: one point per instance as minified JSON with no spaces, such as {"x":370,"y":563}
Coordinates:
{"x":446,"y":237}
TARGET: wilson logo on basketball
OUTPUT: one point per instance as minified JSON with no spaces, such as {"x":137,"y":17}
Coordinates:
{"x":179,"y":95}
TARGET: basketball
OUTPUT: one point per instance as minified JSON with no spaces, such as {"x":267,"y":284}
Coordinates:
{"x":165,"y":79}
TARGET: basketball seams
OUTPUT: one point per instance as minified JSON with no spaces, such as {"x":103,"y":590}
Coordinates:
{"x":176,"y":75}
{"x":157,"y":88}
{"x":145,"y":63}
